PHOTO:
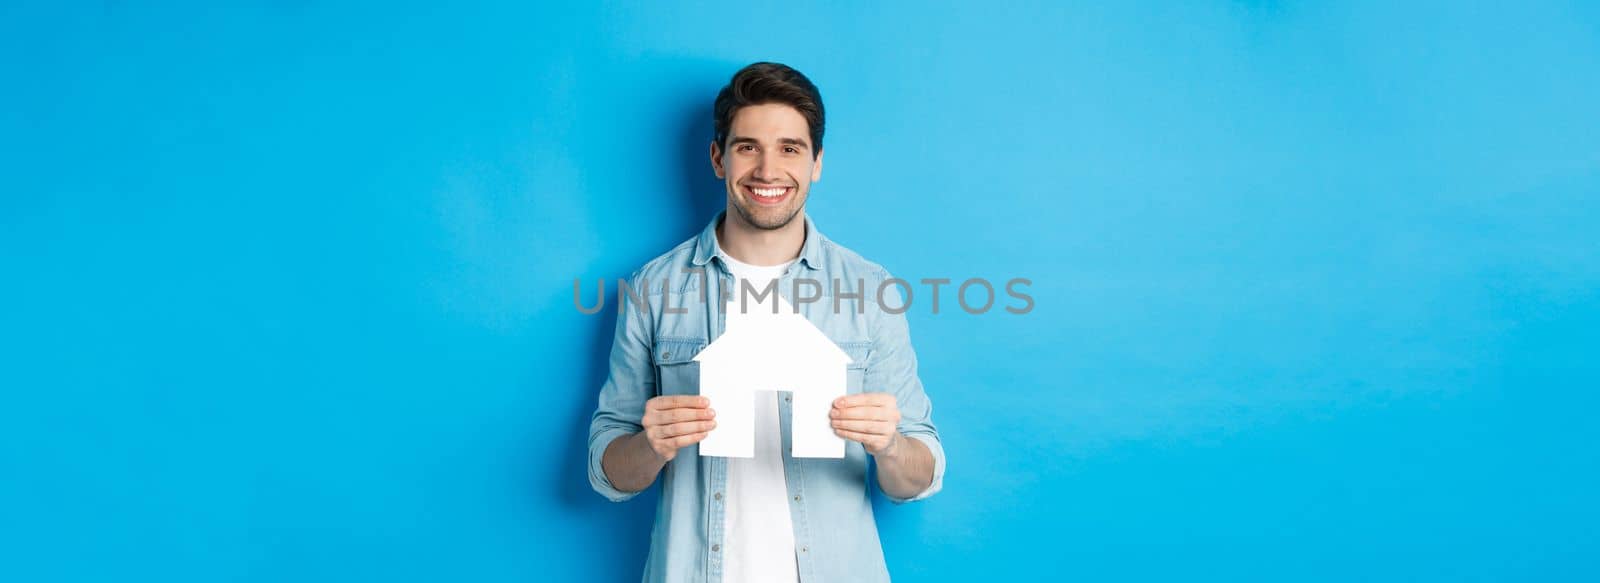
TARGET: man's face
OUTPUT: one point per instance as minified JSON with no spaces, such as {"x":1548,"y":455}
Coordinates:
{"x":768,"y":167}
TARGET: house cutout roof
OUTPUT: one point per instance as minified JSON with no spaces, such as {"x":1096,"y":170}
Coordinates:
{"x":763,"y":339}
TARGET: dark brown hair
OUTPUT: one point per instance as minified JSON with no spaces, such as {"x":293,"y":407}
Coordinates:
{"x":761,"y":83}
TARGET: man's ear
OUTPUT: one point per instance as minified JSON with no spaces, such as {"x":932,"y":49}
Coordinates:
{"x":816,"y":168}
{"x":716,"y":160}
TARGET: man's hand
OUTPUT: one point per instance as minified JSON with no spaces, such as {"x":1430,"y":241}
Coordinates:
{"x":869,"y":418}
{"x":905,"y":465}
{"x":673,"y":422}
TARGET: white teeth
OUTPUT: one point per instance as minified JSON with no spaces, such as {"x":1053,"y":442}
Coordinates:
{"x":768,"y":192}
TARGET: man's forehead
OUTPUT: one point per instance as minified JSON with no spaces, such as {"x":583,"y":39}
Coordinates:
{"x":769,"y":119}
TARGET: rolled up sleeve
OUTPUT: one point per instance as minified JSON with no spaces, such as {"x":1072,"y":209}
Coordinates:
{"x":892,"y":367}
{"x":630,"y":381}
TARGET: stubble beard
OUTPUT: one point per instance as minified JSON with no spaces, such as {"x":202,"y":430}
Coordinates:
{"x":770,"y":223}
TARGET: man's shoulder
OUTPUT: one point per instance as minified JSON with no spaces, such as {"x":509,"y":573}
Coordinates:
{"x":668,"y":266}
{"x":847,"y":263}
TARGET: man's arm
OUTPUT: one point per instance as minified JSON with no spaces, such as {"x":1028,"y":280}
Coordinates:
{"x":630,"y":383}
{"x":906,"y":469}
{"x":905,"y":465}
{"x":632,"y":462}
{"x":894,"y":419}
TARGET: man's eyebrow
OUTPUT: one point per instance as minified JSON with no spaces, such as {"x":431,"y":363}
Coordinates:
{"x":784,"y":141}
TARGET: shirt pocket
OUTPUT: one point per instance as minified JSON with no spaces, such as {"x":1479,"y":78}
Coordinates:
{"x":855,"y":373}
{"x":677,"y":373}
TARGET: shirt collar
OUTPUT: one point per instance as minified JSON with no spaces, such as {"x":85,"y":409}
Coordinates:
{"x":810,"y":252}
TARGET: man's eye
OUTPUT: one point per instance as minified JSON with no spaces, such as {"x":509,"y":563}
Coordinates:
{"x":791,"y":150}
{"x":746,"y":148}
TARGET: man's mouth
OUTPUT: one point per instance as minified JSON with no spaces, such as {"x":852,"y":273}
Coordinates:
{"x":767,"y":196}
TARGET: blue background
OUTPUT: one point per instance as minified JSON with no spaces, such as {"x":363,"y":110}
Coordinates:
{"x":288,"y":286}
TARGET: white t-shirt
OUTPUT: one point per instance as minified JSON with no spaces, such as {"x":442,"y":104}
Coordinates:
{"x":758,"y":541}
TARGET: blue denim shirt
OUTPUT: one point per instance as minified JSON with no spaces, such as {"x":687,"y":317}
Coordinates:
{"x":677,"y":312}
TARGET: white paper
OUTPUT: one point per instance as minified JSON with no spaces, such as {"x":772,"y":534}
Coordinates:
{"x":734,"y":435}
{"x":762,"y":351}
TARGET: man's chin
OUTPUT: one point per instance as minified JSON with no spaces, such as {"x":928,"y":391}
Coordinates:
{"x":768,"y":219}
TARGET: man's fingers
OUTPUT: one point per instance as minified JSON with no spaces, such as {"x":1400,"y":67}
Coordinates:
{"x":665,"y":402}
{"x":867,"y":427}
{"x":671,"y":416}
{"x":866,"y":414}
{"x":680,"y":429}
{"x":857,"y":436}
{"x":864,"y":399}
{"x":666,"y":433}
{"x":682,"y":441}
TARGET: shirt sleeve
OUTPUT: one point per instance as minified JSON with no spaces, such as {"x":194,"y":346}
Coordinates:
{"x":892,"y":367}
{"x":630,"y":382}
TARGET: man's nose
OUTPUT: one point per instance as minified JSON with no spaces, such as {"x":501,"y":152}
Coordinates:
{"x":766,"y":170}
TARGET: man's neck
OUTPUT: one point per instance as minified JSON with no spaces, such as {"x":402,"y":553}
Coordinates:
{"x":761,"y":246}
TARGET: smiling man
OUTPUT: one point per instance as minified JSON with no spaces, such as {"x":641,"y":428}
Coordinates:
{"x":771,"y":517}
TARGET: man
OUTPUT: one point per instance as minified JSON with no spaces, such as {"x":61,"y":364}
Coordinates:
{"x":771,"y":517}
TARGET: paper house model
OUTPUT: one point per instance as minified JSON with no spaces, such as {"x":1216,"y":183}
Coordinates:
{"x":763,"y":351}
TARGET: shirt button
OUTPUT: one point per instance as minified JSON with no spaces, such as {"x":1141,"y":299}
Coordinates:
{"x":796,"y":498}
{"x":786,"y":398}
{"x":718,"y":495}
{"x":716,"y":548}
{"x":666,"y":355}
{"x":804,"y":549}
